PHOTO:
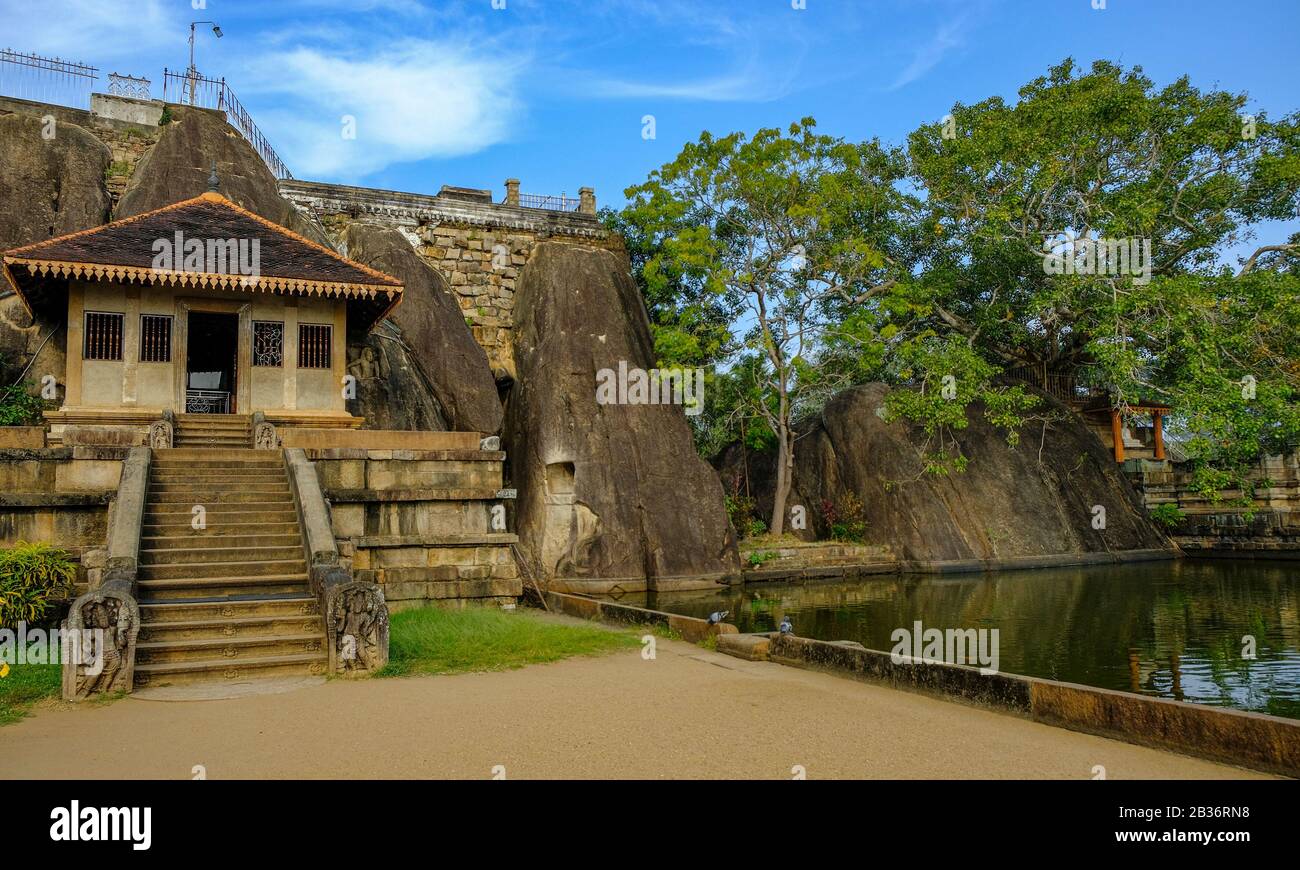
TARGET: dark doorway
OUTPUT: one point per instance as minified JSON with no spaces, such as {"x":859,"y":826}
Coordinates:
{"x":210,"y":371}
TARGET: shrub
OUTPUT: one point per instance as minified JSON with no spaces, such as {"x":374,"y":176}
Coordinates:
{"x":34,"y":578}
{"x":846,"y":521}
{"x":19,"y":406}
{"x":740,"y":511}
{"x":1168,"y":515}
{"x":758,"y":557}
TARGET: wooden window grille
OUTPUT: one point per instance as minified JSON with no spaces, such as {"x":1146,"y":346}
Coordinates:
{"x":103,"y":338}
{"x":155,"y":338}
{"x":314,"y":346}
{"x":268,"y":343}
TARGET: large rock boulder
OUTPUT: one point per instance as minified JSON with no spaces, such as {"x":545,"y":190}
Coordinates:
{"x":609,"y":495}
{"x":178,"y":167}
{"x":392,"y":390}
{"x":433,"y":327}
{"x":1039,"y":498}
{"x":48,"y":187}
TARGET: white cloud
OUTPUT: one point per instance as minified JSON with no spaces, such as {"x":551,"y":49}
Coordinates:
{"x":413,"y":100}
{"x":952,"y":34}
{"x":95,"y":31}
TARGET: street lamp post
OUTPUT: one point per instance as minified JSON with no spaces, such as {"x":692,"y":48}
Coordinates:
{"x":193,"y":73}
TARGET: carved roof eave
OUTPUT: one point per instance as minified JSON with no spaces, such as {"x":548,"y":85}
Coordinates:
{"x":197,"y":280}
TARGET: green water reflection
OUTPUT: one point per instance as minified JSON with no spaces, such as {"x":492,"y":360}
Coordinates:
{"x":1170,"y":629}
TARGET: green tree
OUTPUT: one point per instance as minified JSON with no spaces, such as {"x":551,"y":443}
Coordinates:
{"x":1084,"y":157}
{"x":776,"y":230}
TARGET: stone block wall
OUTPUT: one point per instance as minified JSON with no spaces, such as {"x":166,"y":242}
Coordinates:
{"x":1268,"y":528}
{"x":420,"y":523}
{"x":479,"y":247}
{"x":59,"y":496}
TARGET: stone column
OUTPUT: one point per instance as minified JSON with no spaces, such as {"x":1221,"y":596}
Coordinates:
{"x":512,"y":191}
{"x":587,"y":200}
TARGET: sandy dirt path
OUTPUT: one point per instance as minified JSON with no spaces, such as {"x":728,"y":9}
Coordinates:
{"x":688,"y":713}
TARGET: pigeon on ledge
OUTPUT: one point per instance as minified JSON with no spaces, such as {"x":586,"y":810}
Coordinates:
{"x":787,"y":627}
{"x":717,"y":616}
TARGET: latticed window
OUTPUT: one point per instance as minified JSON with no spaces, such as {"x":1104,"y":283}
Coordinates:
{"x":103,"y":336}
{"x":313,"y":346}
{"x":268,"y":343}
{"x":155,"y":338}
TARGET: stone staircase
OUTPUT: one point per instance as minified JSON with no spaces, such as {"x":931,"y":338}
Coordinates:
{"x":231,"y":600}
{"x":232,"y":431}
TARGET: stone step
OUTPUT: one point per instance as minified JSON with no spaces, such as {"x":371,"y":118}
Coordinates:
{"x":217,"y":520}
{"x":178,"y":673}
{"x":164,"y":543}
{"x":222,"y":588}
{"x":216,"y":553}
{"x":201,"y":455}
{"x":231,"y":648}
{"x":242,"y":627}
{"x":216,"y":570}
{"x":160,"y":487}
{"x":230,"y":471}
{"x":163,"y":499}
{"x":240,"y":525}
{"x":289,"y":606}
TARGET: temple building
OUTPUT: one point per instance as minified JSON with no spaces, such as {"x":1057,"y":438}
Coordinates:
{"x":200,"y":307}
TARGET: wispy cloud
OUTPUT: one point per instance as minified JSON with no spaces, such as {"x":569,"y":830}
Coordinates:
{"x":96,"y":31}
{"x":414,"y":100}
{"x":950,"y":35}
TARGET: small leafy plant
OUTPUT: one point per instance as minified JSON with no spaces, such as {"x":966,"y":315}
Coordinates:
{"x":34,"y":579}
{"x":758,"y":557}
{"x":19,"y":406}
{"x":845,"y":520}
{"x":1168,"y":515}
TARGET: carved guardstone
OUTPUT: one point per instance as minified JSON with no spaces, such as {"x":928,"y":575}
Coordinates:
{"x":357,"y":626}
{"x":102,"y":623}
{"x":264,"y":437}
{"x":160,"y":435}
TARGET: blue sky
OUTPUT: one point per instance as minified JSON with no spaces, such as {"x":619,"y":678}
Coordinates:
{"x":554,"y":92}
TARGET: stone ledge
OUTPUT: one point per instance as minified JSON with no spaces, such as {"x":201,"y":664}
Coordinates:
{"x":468,"y":540}
{"x":346,"y":496}
{"x":55,"y":499}
{"x":341,"y":453}
{"x":691,"y":628}
{"x":1255,"y":740}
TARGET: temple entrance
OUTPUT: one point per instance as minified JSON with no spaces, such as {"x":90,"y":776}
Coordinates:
{"x":211,"y":373}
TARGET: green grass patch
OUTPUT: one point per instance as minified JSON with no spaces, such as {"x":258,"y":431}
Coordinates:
{"x":436,"y":641}
{"x":25,"y":685}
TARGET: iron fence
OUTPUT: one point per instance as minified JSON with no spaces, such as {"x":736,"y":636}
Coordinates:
{"x":128,"y":86}
{"x":192,"y":89}
{"x":46,"y":79}
{"x":551,"y":203}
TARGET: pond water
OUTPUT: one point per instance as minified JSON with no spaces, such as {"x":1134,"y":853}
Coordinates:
{"x":1170,"y":629}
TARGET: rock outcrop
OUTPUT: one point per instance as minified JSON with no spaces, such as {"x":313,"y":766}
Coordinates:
{"x":178,"y":167}
{"x":1036,"y":499}
{"x":610,"y":496}
{"x":392,"y":391}
{"x":51,"y":183}
{"x":433,"y":327}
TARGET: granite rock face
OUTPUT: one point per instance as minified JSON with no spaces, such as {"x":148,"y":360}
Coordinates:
{"x":392,"y":391}
{"x":610,"y":496}
{"x":1038,"y":498}
{"x":48,"y":187}
{"x":179,"y":165}
{"x":451,"y":363}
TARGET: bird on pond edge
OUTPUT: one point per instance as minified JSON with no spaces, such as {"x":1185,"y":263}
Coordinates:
{"x":717,"y":616}
{"x":787,"y":627}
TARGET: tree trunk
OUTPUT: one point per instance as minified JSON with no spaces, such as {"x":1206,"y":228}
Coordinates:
{"x":784,"y":478}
